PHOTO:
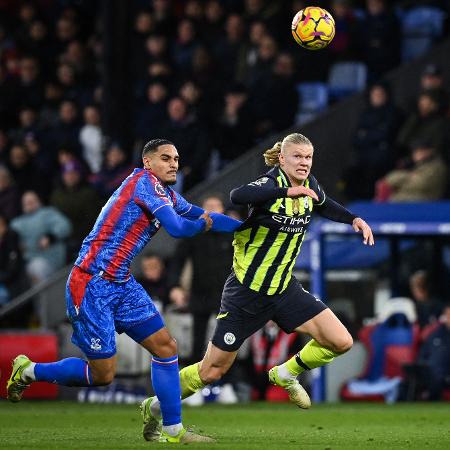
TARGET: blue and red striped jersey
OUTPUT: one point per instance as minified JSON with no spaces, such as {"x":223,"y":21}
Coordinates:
{"x":126,"y":224}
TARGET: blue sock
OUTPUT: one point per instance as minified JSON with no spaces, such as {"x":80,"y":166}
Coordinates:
{"x":67,"y":372}
{"x":166,"y":384}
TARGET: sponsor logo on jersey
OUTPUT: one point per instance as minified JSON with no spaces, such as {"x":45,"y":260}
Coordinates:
{"x":288,"y":220}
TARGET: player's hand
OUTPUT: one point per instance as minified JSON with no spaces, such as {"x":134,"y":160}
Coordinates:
{"x":208,"y":220}
{"x":360,"y":225}
{"x":298,"y":191}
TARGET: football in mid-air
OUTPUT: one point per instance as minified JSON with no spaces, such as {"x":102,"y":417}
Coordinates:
{"x":313,"y":28}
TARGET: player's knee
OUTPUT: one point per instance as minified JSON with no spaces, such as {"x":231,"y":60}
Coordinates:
{"x":343,"y":343}
{"x":167,"y":349}
{"x":102,"y":378}
{"x":171,"y":348}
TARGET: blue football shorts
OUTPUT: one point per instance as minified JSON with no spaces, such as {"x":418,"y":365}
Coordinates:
{"x":97,"y":308}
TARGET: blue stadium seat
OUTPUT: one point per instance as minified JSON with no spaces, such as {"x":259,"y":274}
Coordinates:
{"x":313,"y":99}
{"x":420,"y":27}
{"x":389,"y":345}
{"x":346,"y":78}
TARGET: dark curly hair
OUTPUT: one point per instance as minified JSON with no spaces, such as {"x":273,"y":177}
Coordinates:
{"x":152,"y":146}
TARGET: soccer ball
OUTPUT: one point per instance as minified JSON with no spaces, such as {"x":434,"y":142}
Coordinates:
{"x":313,"y":28}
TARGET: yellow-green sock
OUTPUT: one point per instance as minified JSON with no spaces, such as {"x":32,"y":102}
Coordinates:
{"x":190,"y":380}
{"x":312,"y":355}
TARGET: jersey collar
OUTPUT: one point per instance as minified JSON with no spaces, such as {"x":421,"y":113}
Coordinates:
{"x":284,"y":177}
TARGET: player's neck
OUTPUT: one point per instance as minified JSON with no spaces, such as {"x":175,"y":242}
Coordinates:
{"x":295,"y":182}
{"x":154,"y":174}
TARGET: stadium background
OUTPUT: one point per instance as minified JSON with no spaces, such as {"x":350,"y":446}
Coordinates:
{"x":83,"y":84}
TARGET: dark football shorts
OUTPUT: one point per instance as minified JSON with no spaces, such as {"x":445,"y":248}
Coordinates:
{"x":244,"y":311}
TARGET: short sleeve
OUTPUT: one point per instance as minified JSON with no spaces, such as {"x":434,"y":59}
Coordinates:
{"x":315,"y":186}
{"x":150,"y":194}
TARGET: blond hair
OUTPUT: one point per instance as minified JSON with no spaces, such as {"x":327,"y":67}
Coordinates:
{"x":271,"y":156}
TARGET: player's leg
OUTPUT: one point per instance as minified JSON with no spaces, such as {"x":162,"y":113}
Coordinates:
{"x":166,"y":384}
{"x":329,"y":339}
{"x":66,"y":372}
{"x":213,"y":366}
{"x":138,"y":317}
{"x":242,"y":312}
{"x":93,"y":333}
{"x":300,"y":311}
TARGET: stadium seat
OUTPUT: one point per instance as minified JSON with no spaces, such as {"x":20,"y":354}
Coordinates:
{"x":395,"y":357}
{"x":346,"y":78}
{"x":420,"y":27}
{"x":313,"y":99}
{"x":389,"y":344}
{"x":396,"y":330}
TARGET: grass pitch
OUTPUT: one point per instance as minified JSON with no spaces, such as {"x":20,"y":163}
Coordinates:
{"x":67,"y":425}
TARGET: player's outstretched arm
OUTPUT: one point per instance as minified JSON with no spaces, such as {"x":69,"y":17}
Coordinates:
{"x":194,"y":211}
{"x":179,"y":227}
{"x":333,"y":210}
{"x":224,"y":223}
{"x":220,"y":222}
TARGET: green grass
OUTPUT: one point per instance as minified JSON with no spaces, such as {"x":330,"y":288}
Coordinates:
{"x":262,"y":426}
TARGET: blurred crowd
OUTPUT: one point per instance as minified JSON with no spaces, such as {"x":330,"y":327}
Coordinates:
{"x":214,"y":76}
{"x":402,"y":156}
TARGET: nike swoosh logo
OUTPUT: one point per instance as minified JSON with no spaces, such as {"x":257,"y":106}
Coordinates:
{"x":14,"y":374}
{"x":222,"y":316}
